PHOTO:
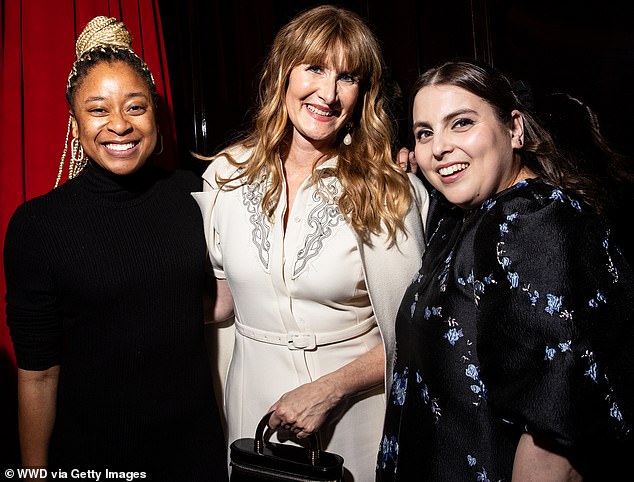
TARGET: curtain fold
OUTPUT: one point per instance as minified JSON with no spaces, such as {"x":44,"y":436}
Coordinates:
{"x":37,"y":49}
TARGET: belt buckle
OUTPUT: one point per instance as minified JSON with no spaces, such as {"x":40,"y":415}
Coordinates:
{"x":301,"y":341}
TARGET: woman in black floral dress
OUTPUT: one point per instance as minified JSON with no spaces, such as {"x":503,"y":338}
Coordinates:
{"x":514,"y":343}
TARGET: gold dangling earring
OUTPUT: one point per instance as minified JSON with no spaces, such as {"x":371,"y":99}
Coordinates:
{"x":78,"y":159}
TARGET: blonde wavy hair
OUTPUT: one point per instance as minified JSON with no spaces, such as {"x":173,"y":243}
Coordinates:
{"x":376,"y":192}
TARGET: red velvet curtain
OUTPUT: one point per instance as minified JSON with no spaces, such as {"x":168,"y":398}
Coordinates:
{"x":37,"y":50}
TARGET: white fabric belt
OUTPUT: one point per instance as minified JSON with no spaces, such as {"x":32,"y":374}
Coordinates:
{"x":296,"y":340}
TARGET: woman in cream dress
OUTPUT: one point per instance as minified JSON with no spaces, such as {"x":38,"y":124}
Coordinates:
{"x":314,"y":233}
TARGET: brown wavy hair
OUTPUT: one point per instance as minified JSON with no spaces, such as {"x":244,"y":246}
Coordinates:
{"x":376,"y":192}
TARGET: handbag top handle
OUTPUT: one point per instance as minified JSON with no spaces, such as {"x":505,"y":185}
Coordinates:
{"x":314,"y":446}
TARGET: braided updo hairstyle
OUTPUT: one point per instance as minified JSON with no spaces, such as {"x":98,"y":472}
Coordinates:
{"x":104,"y":39}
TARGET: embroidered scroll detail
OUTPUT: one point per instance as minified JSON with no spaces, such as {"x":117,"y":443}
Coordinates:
{"x":252,"y":199}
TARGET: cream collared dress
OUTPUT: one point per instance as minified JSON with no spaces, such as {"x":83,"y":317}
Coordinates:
{"x":302,"y":307}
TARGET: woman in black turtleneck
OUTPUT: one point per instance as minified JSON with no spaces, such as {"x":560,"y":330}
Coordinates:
{"x":105,"y":277}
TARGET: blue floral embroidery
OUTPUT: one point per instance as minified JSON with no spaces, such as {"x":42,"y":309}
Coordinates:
{"x":592,"y":372}
{"x":388,"y":451}
{"x":532,"y":293}
{"x":478,"y":288}
{"x":504,"y":261}
{"x":424,"y":393}
{"x":594,"y":302}
{"x":554,"y":303}
{"x":435,"y":409}
{"x":472,"y":371}
{"x":453,"y":335}
{"x":488,"y":204}
{"x":483,"y":476}
{"x":513,"y":278}
{"x":434,"y":310}
{"x":504,"y":227}
{"x":479,"y":388}
{"x":488,"y":280}
{"x":615,"y":412}
{"x":442,"y":277}
{"x":557,"y":195}
{"x":399,"y":387}
{"x":533,"y":296}
{"x":565,"y":346}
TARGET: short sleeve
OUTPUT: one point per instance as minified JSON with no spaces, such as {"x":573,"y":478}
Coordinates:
{"x":555,"y":321}
{"x":33,"y":305}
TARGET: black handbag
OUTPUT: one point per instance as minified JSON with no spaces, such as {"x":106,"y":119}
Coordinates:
{"x":257,"y":459}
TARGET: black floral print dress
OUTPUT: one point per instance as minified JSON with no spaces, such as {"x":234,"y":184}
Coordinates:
{"x":520,"y":319}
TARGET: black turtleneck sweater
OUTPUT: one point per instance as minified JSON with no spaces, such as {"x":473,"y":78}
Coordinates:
{"x":104,"y":278}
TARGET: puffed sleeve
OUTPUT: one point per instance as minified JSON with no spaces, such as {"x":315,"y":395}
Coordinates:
{"x":206,"y":202}
{"x":212,"y":196}
{"x":555,"y":323}
{"x":33,"y":307}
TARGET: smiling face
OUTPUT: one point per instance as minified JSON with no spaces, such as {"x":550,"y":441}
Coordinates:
{"x":320,"y":100}
{"x":462,"y":147}
{"x":114,"y":118}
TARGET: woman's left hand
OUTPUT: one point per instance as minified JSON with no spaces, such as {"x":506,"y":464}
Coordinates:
{"x":304,"y":409}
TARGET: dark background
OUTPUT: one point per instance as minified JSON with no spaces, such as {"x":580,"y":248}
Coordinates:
{"x":215,"y":50}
